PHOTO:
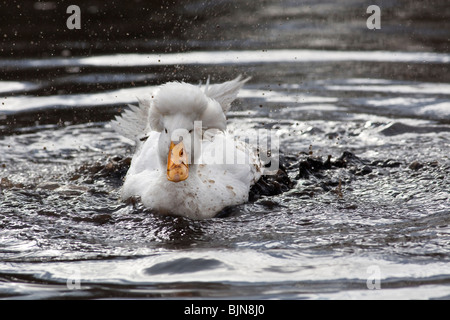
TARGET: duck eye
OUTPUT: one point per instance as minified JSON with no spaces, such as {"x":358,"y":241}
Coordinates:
{"x":165,"y":130}
{"x":190,"y":131}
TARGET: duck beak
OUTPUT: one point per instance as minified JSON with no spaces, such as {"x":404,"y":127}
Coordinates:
{"x":177,"y":163}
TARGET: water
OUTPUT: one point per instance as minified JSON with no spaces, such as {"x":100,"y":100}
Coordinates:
{"x":380,"y":221}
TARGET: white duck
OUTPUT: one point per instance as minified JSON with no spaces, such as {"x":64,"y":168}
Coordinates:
{"x":185,"y":162}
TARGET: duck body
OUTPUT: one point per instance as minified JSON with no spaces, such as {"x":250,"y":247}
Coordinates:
{"x":185,"y":162}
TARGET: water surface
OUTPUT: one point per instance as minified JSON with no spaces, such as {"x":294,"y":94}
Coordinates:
{"x":377,"y":102}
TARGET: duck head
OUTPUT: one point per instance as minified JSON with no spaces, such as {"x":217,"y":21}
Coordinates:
{"x":181,"y":112}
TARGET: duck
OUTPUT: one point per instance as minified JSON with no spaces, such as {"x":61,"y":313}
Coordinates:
{"x":186,"y":163}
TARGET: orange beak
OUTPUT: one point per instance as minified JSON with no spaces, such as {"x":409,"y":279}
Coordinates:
{"x":177,"y":163}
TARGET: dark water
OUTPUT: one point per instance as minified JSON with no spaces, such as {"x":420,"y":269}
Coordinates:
{"x":376,"y":101}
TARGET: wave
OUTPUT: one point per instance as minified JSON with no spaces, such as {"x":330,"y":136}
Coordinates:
{"x":227,"y":57}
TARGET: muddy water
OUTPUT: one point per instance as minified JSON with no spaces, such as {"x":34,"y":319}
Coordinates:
{"x":363,"y":121}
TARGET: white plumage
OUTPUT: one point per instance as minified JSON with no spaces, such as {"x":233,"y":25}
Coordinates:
{"x":221,"y":170}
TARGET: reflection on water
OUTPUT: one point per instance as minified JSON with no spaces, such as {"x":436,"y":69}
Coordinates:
{"x":382,"y":116}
